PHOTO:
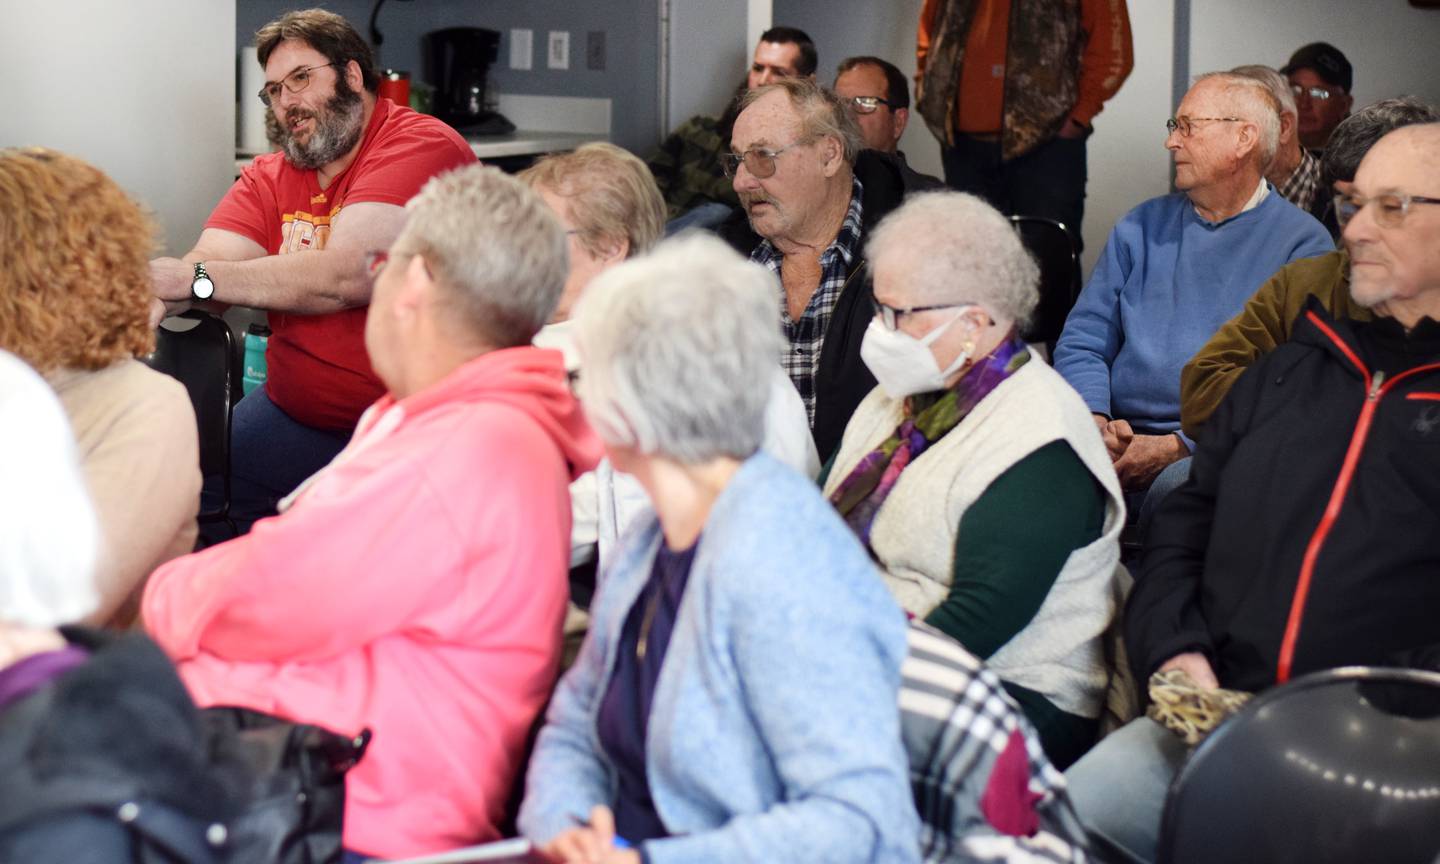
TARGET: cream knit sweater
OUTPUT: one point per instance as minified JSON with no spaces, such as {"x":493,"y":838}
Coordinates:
{"x":1059,"y":653}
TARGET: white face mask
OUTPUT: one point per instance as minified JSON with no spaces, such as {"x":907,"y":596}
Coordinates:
{"x":904,"y":365}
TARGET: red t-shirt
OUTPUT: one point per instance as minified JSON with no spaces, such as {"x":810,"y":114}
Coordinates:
{"x":318,"y":370}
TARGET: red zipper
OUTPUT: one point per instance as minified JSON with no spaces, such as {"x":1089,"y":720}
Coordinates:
{"x":1375,"y":391}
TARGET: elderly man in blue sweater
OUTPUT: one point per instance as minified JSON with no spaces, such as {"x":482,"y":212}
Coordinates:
{"x":1176,"y":268}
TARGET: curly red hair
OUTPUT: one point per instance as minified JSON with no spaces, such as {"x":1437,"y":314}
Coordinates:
{"x":74,"y":264}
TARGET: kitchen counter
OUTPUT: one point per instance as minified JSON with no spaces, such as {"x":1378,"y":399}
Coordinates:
{"x":524,"y":143}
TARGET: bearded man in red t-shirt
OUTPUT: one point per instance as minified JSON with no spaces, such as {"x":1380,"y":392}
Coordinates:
{"x":291,"y":237}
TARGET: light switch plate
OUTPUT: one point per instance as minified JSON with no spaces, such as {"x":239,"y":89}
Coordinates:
{"x":558,"y":57}
{"x":522,"y":48}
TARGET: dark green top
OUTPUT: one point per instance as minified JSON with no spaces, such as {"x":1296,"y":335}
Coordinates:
{"x":1012,"y":543}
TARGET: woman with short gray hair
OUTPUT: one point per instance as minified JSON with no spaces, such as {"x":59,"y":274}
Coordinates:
{"x":736,"y":696}
{"x":974,"y":474}
{"x":612,"y":211}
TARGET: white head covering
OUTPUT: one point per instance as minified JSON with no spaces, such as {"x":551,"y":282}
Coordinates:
{"x":49,"y":537}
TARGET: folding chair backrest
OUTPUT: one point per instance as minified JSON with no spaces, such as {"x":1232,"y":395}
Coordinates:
{"x":203,"y":358}
{"x":1054,"y":250}
{"x":1335,"y":766}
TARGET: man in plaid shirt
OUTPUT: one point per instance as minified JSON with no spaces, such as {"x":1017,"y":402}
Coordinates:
{"x":687,"y":166}
{"x":1294,"y":172}
{"x":810,"y":195}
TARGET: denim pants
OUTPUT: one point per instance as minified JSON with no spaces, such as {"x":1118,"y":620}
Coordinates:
{"x":1048,"y":181}
{"x":270,"y":454}
{"x":1119,"y":787}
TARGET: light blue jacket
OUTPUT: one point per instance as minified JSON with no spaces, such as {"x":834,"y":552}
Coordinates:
{"x":774,"y":733}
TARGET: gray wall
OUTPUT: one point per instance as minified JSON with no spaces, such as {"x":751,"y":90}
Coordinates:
{"x":1391,"y":44}
{"x":844,"y":28}
{"x":131,"y":88}
{"x":631,"y":30}
{"x":708,"y":55}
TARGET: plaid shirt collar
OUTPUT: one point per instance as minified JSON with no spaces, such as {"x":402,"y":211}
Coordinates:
{"x":846,"y":243}
{"x":1303,"y":184}
{"x":806,"y":334}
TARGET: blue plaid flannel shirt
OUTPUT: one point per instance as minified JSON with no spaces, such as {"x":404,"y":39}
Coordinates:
{"x":807,"y":335}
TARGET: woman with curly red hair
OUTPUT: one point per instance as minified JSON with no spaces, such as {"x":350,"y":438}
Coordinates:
{"x":74,"y":304}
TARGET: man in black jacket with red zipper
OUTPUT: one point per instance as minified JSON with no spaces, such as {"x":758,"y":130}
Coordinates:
{"x":1308,"y":535}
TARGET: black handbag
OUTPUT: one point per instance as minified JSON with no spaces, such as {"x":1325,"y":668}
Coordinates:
{"x":295,"y":806}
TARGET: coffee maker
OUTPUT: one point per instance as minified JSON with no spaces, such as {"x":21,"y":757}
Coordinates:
{"x":457,"y":60}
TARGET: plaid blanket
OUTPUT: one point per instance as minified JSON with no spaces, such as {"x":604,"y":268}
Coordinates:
{"x":983,"y":787}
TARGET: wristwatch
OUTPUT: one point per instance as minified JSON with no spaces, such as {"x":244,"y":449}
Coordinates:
{"x":201,"y":288}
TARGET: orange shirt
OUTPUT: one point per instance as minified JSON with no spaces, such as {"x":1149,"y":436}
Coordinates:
{"x":982,"y":70}
{"x":980,"y":99}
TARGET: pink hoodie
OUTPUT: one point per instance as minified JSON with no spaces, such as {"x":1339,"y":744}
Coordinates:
{"x":416,"y":586}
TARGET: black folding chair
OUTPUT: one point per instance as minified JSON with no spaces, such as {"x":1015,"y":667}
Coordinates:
{"x":1335,"y":766}
{"x":1054,"y":250}
{"x":205,"y":358}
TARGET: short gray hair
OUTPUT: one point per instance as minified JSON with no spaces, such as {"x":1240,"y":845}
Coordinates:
{"x":1254,"y":102}
{"x":1277,"y":84}
{"x":678,"y":348}
{"x":1356,"y":134}
{"x":494,"y":246}
{"x":960,"y":249}
{"x":822,"y":114}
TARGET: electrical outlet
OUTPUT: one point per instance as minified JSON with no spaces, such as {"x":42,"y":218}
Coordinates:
{"x":558,"y":57}
{"x":522,"y":48}
{"x":595,"y":50}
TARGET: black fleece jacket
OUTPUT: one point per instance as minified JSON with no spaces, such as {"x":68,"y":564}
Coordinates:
{"x":120,"y":727}
{"x":1319,"y":475}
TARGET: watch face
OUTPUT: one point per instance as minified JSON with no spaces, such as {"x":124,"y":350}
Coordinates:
{"x":202,"y":288}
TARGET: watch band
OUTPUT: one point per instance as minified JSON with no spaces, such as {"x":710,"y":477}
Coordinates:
{"x":202,"y":287}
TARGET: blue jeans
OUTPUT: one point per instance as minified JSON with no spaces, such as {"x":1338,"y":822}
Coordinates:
{"x":1119,"y":787}
{"x":1142,"y":503}
{"x":1048,"y":181}
{"x":270,"y":454}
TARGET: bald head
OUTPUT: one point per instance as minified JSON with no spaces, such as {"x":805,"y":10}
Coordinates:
{"x":1394,"y":238}
{"x":1422,"y":138}
{"x":1402,"y":161}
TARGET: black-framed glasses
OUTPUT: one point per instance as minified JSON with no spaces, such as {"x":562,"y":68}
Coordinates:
{"x":1318,"y":93}
{"x":759,"y":161}
{"x":890,"y":315}
{"x":294,"y":82}
{"x":868,"y":104}
{"x":1390,"y":207}
{"x":1186,"y":125}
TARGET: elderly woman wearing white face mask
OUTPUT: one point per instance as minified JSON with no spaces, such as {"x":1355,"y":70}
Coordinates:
{"x":974,"y":474}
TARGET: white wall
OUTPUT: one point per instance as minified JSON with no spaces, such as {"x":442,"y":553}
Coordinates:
{"x":708,"y":56}
{"x":1392,"y":45}
{"x":144,"y":90}
{"x":845,"y":28}
{"x":1127,"y":156}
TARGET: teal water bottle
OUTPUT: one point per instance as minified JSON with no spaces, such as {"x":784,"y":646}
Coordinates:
{"x":256,"y":338}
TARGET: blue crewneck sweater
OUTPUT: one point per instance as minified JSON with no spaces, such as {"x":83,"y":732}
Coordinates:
{"x":1165,"y":282}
